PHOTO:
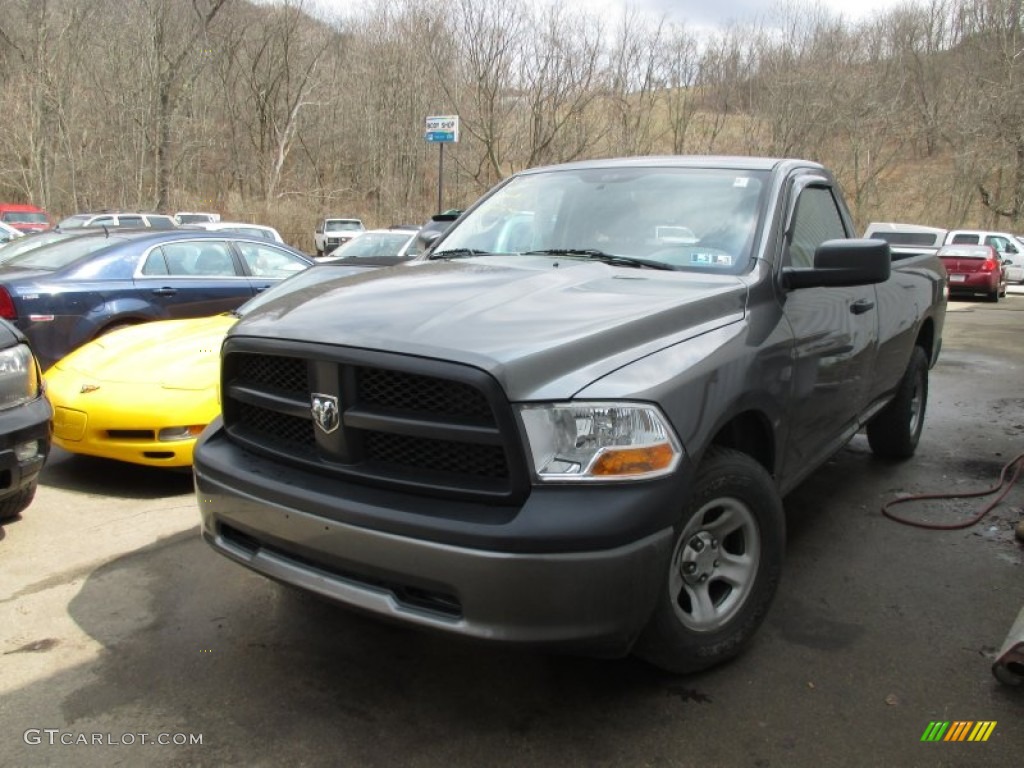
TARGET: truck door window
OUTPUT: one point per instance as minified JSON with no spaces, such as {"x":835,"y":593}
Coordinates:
{"x":817,"y":219}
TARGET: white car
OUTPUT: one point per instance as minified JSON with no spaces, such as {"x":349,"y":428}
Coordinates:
{"x":121,"y":220}
{"x":331,"y":232}
{"x":8,"y":233}
{"x":195,"y":217}
{"x":377,"y":247}
{"x":253,"y":230}
{"x":907,"y":239}
{"x":1015,"y":267}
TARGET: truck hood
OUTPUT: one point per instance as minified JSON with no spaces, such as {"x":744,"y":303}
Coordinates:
{"x":544,"y":328}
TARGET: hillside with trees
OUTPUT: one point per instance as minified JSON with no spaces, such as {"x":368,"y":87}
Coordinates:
{"x":270,"y":113}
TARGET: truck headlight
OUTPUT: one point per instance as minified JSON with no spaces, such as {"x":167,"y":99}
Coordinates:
{"x":599,"y":441}
{"x":19,"y":379}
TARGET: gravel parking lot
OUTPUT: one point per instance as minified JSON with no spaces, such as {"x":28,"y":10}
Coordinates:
{"x":124,"y":640}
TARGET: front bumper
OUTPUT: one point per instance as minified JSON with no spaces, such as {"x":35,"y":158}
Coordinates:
{"x":122,"y":421}
{"x":18,"y":426}
{"x":493,"y":585}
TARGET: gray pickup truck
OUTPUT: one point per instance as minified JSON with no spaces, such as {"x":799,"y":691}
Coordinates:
{"x":572,"y":422}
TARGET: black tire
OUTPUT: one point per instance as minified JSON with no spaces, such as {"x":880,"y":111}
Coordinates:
{"x":994,"y":296}
{"x":319,"y":253}
{"x":894,"y":431}
{"x":707,"y":612}
{"x":14,"y":505}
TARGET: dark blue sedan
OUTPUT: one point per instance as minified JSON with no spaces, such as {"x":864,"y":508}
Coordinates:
{"x":67,"y":293}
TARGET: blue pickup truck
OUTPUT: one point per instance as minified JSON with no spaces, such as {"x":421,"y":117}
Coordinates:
{"x":572,"y":422}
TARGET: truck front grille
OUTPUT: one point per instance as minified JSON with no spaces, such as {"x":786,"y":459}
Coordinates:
{"x":447,"y":430}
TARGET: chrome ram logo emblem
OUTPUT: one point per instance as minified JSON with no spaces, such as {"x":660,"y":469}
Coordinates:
{"x":325,"y":412}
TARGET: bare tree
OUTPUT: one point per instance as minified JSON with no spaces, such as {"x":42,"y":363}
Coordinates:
{"x":991,"y":55}
{"x":271,"y":69}
{"x":174,"y":49}
{"x":634,"y":80}
{"x":42,"y":40}
{"x":485,"y":39}
{"x":558,"y":79}
{"x":681,"y":68}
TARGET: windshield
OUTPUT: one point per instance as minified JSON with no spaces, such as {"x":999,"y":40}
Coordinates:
{"x":263,"y":234}
{"x":25,"y":217}
{"x":373,"y":245}
{"x":343,"y":225}
{"x":71,"y":222}
{"x":685,"y":218}
{"x":58,"y":254}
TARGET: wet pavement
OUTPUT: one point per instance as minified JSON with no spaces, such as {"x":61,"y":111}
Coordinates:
{"x":119,"y":626}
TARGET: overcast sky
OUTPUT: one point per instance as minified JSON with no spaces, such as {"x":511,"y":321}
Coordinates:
{"x":713,"y":13}
{"x":694,"y":13}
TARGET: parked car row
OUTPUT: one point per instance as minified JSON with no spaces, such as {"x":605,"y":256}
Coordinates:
{"x":127,"y":325}
{"x":77,"y":287}
{"x":977,"y":261}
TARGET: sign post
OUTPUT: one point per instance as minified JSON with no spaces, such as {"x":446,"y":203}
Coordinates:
{"x":441,"y":129}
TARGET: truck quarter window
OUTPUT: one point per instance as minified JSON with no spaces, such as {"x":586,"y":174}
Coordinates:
{"x":817,"y":220}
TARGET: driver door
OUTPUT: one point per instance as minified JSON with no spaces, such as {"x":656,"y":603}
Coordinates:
{"x":835,"y":335}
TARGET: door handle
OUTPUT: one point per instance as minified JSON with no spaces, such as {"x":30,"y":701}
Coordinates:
{"x":165,"y":291}
{"x":861,"y":306}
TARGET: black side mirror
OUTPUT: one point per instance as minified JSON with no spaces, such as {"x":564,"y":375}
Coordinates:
{"x":841,"y":263}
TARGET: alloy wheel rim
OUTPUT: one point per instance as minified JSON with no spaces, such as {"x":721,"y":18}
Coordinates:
{"x":714,"y":564}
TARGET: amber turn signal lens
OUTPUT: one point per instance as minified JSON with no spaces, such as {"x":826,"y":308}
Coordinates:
{"x":633,"y":461}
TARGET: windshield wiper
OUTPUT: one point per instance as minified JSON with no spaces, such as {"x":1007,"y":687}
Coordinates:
{"x":458,"y":253}
{"x":607,"y":258}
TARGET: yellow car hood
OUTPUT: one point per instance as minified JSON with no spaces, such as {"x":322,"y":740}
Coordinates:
{"x":177,"y":354}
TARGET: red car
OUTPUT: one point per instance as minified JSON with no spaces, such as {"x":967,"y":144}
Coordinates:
{"x":974,"y":269}
{"x":25,"y":218}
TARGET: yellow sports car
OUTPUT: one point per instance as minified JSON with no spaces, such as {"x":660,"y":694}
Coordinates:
{"x":140,"y":394}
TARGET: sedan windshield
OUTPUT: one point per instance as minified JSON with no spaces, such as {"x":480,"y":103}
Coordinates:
{"x":373,"y":245}
{"x":701,"y":219}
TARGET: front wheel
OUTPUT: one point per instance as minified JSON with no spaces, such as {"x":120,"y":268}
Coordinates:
{"x":17,"y":502}
{"x":893,"y":433}
{"x":724,"y":568}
